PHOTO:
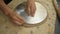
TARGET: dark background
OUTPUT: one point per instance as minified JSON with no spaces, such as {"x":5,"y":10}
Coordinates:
{"x":7,"y":1}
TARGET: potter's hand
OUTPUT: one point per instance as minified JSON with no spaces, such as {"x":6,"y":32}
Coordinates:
{"x":14,"y":17}
{"x":30,"y":7}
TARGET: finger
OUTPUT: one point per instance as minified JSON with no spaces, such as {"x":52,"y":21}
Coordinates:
{"x":13,"y":17}
{"x":20,"y":19}
{"x":16,"y":18}
{"x":33,"y":10}
{"x":28,"y":11}
{"x":16,"y":22}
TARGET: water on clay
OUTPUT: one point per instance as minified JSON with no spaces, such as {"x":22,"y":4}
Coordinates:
{"x":40,"y":14}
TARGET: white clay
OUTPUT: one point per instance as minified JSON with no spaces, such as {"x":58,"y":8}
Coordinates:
{"x":40,"y":14}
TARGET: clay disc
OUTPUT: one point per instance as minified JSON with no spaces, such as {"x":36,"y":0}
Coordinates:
{"x":40,"y":14}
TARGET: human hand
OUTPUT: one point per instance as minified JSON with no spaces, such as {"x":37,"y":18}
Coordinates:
{"x":30,"y":7}
{"x":14,"y":17}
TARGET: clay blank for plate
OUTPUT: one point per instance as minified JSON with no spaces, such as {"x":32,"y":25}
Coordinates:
{"x":40,"y":14}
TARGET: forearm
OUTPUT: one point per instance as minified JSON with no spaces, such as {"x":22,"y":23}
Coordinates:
{"x":5,"y":8}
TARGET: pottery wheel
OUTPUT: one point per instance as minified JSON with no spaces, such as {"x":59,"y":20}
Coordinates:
{"x":40,"y":14}
{"x":47,"y":25}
